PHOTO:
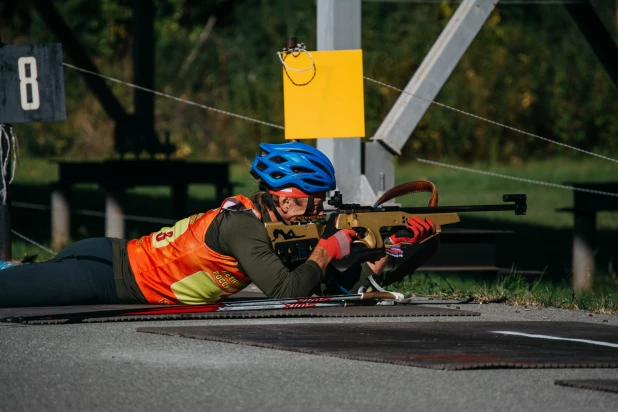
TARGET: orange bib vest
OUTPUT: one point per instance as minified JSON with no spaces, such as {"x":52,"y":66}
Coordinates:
{"x":174,"y":265}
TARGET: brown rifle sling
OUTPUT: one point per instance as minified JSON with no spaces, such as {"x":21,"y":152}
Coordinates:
{"x":408,"y":188}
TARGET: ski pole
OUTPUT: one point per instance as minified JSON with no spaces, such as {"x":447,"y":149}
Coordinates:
{"x":263,"y":304}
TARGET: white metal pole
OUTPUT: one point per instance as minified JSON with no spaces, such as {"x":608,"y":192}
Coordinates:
{"x":339,"y":28}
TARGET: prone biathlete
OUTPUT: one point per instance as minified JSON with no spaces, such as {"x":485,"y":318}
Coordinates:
{"x":209,"y":256}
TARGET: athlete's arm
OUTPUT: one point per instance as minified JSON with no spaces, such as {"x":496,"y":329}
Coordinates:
{"x":321,"y":257}
{"x":241,"y":235}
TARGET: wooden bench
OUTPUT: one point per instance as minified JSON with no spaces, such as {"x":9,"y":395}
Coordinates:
{"x":585,"y":208}
{"x":115,"y":176}
{"x":470,"y":250}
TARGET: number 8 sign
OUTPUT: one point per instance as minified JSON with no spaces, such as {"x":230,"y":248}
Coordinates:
{"x":26,"y":80}
{"x":31,"y":83}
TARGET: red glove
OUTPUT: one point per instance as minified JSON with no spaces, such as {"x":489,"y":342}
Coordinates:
{"x":338,"y":245}
{"x":417,"y":230}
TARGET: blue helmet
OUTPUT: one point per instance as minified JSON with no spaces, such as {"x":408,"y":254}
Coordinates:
{"x":293,"y":164}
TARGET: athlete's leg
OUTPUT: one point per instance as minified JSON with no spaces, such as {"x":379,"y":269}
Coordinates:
{"x":80,"y":274}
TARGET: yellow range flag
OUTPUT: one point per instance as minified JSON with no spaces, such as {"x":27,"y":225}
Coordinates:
{"x":327,"y":99}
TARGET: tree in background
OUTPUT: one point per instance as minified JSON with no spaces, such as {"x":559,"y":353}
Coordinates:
{"x":529,"y":67}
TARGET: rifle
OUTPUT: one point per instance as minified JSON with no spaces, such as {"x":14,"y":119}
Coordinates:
{"x":295,"y":242}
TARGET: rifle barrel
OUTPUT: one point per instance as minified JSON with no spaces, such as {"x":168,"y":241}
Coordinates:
{"x":460,"y":209}
{"x":518,"y":205}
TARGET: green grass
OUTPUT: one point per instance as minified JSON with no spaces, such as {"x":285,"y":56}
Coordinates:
{"x":460,"y":187}
{"x":35,"y":171}
{"x":513,"y":289}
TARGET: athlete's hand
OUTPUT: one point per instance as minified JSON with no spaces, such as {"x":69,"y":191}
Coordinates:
{"x":417,"y":230}
{"x":339,"y":244}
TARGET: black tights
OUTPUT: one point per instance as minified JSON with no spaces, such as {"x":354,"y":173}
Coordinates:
{"x":82,"y":273}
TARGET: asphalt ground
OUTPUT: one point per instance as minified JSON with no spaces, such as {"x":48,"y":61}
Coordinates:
{"x":110,"y":366}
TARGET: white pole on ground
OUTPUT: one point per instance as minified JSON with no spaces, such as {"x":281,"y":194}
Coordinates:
{"x":60,"y":217}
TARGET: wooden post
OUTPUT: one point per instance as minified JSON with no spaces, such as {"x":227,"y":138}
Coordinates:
{"x":5,"y":212}
{"x":584,"y":229}
{"x":179,"y":200}
{"x":5,"y":233}
{"x":143,"y":73}
{"x":114,"y":212}
{"x":60,"y":216}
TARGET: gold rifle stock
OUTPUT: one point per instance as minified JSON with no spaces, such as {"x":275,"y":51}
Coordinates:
{"x":372,"y":222}
{"x":296,"y":242}
{"x":281,"y":234}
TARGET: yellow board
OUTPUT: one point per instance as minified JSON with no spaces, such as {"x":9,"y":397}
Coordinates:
{"x":326,"y":100}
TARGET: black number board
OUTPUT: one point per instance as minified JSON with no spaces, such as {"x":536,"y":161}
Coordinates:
{"x":31,"y":83}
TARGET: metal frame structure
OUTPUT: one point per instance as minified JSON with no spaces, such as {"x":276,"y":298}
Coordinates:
{"x":339,"y":28}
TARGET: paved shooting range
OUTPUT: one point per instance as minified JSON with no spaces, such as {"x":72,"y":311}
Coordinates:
{"x":301,"y":205}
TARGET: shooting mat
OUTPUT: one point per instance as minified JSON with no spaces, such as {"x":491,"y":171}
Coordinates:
{"x":448,"y":345}
{"x":81,"y":313}
{"x":606,"y":385}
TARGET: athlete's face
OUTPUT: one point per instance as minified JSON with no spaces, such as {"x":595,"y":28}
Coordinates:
{"x":316,"y":209}
{"x":292,"y":207}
